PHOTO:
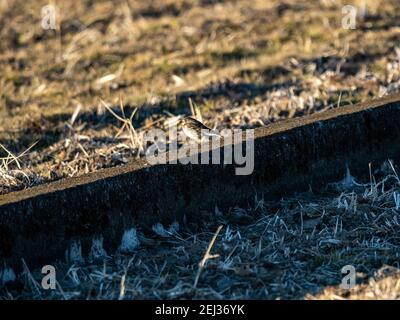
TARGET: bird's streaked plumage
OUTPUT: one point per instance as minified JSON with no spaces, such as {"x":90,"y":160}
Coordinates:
{"x":196,"y":130}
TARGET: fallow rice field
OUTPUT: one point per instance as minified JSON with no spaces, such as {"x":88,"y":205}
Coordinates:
{"x":67,"y":93}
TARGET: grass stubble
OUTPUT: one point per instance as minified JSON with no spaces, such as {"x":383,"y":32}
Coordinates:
{"x":240,"y":67}
{"x":293,"y":248}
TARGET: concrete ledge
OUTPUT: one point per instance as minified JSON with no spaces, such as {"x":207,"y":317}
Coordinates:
{"x":40,"y":223}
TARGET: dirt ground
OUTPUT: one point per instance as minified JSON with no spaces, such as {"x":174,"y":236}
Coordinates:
{"x":243,"y":66}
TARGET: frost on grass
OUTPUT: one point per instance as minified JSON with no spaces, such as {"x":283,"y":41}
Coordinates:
{"x":97,"y":251}
{"x":292,"y":248}
{"x":396,"y":198}
{"x":159,"y":229}
{"x":7,"y":275}
{"x":130,"y":241}
{"x":346,"y":183}
{"x":73,"y":254}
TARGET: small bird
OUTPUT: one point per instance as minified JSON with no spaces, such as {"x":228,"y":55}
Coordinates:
{"x":196,"y":130}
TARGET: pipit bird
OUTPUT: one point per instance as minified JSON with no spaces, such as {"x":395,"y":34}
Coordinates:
{"x":196,"y":130}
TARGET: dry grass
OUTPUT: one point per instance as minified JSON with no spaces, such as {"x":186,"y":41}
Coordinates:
{"x":236,"y":66}
{"x":290,"y":249}
{"x":14,"y":177}
{"x":384,"y":285}
{"x":241,"y":66}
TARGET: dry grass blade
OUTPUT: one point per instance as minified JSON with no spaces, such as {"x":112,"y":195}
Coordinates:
{"x":30,"y":278}
{"x":122,"y":285}
{"x":272,"y":255}
{"x":195,"y":110}
{"x":9,"y":159}
{"x":207,"y":256}
{"x":13,"y":158}
{"x":75,"y":114}
{"x":122,"y":288}
{"x":126,"y":125}
{"x":237,"y":81}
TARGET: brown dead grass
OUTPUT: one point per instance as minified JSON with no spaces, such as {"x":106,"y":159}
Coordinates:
{"x":385,"y":285}
{"x":243,"y":66}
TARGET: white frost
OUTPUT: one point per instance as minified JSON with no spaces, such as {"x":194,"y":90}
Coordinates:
{"x":130,"y":241}
{"x":159,"y":229}
{"x":97,"y":251}
{"x":348,"y":181}
{"x":7,"y":275}
{"x":74,"y":254}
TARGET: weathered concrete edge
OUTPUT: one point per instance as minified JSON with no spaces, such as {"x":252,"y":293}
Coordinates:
{"x":139,"y":164}
{"x":38,"y":224}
